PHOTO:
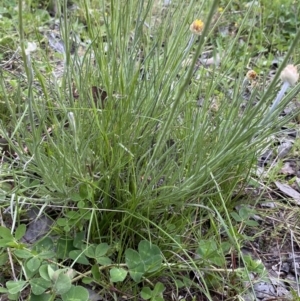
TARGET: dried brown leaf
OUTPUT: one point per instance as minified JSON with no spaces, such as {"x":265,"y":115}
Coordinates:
{"x":289,"y":191}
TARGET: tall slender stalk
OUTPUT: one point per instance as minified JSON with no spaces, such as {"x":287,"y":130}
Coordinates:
{"x":29,"y":72}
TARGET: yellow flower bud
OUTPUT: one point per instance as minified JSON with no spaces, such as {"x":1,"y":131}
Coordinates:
{"x":197,"y":27}
{"x":251,"y":75}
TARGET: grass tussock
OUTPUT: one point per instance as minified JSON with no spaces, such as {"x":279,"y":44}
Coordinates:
{"x":134,"y":140}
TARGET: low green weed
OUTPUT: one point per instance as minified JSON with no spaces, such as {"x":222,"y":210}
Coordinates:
{"x":48,"y":279}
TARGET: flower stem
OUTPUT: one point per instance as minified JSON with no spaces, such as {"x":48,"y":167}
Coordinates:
{"x":275,"y":104}
{"x":279,"y":96}
{"x":190,"y":44}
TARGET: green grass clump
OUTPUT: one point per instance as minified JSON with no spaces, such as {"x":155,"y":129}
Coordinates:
{"x":120,"y":149}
